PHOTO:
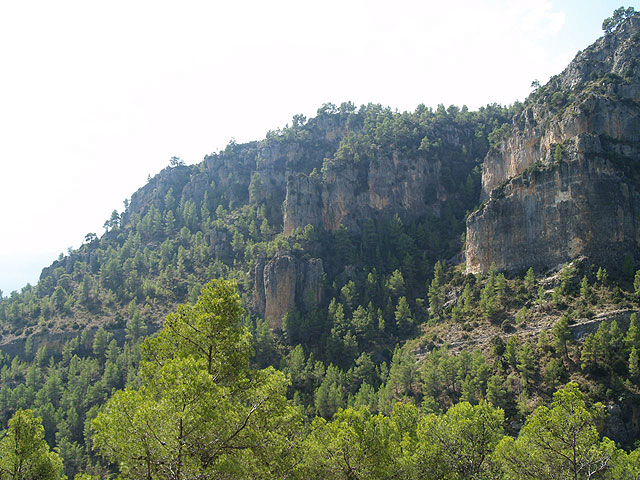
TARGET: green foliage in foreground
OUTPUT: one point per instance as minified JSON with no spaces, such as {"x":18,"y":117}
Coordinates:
{"x":68,"y":387}
{"x":466,"y":442}
{"x":562,"y":442}
{"x":202,"y":412}
{"x":24,"y":453}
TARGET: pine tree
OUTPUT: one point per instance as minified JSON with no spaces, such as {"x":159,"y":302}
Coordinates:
{"x":396,"y":284}
{"x":501,"y":288}
{"x":496,"y":394}
{"x":511,"y":350}
{"x":541,"y":295}
{"x":585,"y":291}
{"x":372,"y":288}
{"x":369,"y":242}
{"x":404,"y":318}
{"x":136,"y":328}
{"x":489,"y":301}
{"x":562,"y":336}
{"x":343,"y":246}
{"x":24,"y":453}
{"x":529,"y":279}
{"x":602,"y":276}
{"x":634,"y":365}
{"x":526,"y":361}
{"x":632,"y":338}
{"x":436,"y":299}
{"x":169,"y":200}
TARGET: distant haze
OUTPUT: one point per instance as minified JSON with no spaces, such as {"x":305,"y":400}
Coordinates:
{"x":94,"y":96}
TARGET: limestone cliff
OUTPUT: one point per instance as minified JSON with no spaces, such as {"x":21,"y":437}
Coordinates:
{"x":280,"y":158}
{"x":348,"y":195}
{"x":564,"y":181}
{"x":392,"y":184}
{"x":409,"y":184}
{"x":302,"y":204}
{"x":284,"y":282}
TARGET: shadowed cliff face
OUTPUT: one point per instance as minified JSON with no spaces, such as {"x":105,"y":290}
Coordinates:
{"x":350,"y":194}
{"x":547,"y":217}
{"x":405,"y":180}
{"x":564,"y":181}
{"x":409,"y":187}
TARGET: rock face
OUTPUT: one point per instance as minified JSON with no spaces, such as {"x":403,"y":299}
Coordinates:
{"x":284,"y":282}
{"x":220,"y":245}
{"x":155,"y":191}
{"x":350,"y":193}
{"x":277,"y":161}
{"x":302,"y":204}
{"x":409,"y":186}
{"x":564,"y":182}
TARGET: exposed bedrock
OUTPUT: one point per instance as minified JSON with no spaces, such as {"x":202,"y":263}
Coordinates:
{"x":285,"y":283}
{"x":564,"y":180}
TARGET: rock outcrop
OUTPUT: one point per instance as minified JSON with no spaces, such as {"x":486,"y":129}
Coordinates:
{"x":277,"y":161}
{"x":220,"y":245}
{"x":409,"y":185}
{"x":565,"y":180}
{"x":392,"y":184}
{"x":302,"y":204}
{"x":284,"y":283}
{"x":154,"y":192}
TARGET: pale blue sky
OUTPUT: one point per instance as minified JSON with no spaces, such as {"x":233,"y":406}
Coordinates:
{"x":94,"y":96}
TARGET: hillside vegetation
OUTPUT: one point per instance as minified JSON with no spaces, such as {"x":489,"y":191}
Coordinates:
{"x":299,"y":307}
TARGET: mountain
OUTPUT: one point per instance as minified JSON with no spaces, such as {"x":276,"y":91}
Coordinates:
{"x":292,"y":218}
{"x":564,"y":181}
{"x":380,"y":262}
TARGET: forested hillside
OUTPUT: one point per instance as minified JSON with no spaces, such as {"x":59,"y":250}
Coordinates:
{"x":300,"y":307}
{"x":224,"y":218}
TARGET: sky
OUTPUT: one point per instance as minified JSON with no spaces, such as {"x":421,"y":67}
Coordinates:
{"x":96,"y":96}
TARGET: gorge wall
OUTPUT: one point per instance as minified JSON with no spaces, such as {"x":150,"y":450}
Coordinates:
{"x":409,"y":186}
{"x":564,"y":181}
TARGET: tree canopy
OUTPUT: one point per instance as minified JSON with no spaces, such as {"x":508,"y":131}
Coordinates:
{"x":24,"y":453}
{"x":619,"y":15}
{"x":560,"y":442}
{"x":200,"y":412}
